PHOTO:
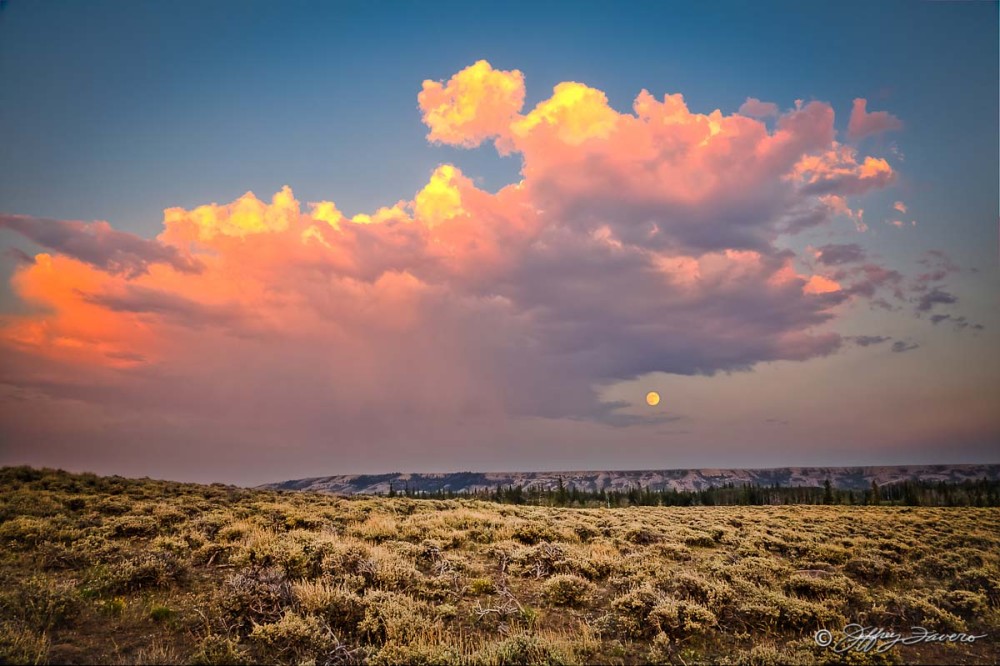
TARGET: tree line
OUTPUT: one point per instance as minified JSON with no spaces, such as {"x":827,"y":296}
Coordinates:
{"x":983,"y":492}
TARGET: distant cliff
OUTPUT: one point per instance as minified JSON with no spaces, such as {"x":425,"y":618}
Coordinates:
{"x":855,"y":478}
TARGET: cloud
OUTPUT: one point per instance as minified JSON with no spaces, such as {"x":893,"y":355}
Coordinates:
{"x":869,"y":340}
{"x":834,"y":254}
{"x":864,"y":124}
{"x":476,"y":104}
{"x":755,"y":108}
{"x":938,"y":265}
{"x":870,"y":278}
{"x":959,"y":323}
{"x":98,"y":244}
{"x":165,"y":306}
{"x":899,"y":206}
{"x":19,"y":255}
{"x":837,"y":171}
{"x":935,"y":297}
{"x":637,"y":242}
{"x":899,"y":346}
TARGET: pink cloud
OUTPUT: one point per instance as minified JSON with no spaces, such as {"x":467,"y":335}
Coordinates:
{"x":755,"y":108}
{"x":864,"y":124}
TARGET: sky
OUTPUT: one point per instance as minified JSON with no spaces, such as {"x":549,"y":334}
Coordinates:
{"x":254,"y":241}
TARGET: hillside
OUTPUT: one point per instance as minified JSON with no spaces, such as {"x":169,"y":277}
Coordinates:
{"x":120,"y":571}
{"x":112,"y":570}
{"x":852,"y":478}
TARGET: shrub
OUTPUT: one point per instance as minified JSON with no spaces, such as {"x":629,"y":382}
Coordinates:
{"x":394,"y":617}
{"x":42,"y":603}
{"x":420,"y":654}
{"x":387,"y":570}
{"x":522,"y":649}
{"x":378,"y":527}
{"x":134,"y":526}
{"x":22,"y":645}
{"x":681,"y":618}
{"x":700,"y":541}
{"x":51,"y":555}
{"x":870,"y":569}
{"x":709,"y":593}
{"x":823,"y":586}
{"x":918,"y":610}
{"x":983,"y":580}
{"x":642,"y":536}
{"x":480,"y":586}
{"x":216,"y":649}
{"x":531,"y":533}
{"x":114,"y":607}
{"x":568,"y":590}
{"x":337,"y":605}
{"x":543,"y":560}
{"x":971,"y":605}
{"x":146,"y":570}
{"x":161,"y":613}
{"x":292,"y":639}
{"x":629,"y":614}
{"x":24,"y":532}
{"x":255,"y":595}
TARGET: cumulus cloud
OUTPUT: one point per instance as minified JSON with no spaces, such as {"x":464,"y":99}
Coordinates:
{"x":98,"y":244}
{"x":635,"y":242}
{"x":863,"y":123}
{"x":476,"y":104}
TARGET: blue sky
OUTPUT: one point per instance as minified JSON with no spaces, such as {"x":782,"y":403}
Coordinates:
{"x":116,"y":110}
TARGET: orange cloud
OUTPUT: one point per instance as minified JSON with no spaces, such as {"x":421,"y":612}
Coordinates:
{"x":818,"y":284}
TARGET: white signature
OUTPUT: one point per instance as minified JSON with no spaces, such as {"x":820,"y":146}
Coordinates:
{"x":877,"y":640}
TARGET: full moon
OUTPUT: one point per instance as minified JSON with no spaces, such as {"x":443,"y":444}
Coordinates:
{"x":652,"y":398}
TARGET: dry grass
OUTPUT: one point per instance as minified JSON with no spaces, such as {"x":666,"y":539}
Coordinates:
{"x":118,"y":571}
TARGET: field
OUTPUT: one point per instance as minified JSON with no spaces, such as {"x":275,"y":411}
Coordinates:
{"x":112,"y":570}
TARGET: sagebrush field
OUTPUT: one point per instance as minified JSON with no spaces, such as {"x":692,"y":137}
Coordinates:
{"x":112,"y":570}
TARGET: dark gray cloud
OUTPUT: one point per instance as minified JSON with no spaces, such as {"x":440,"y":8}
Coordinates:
{"x":960,"y":322}
{"x":96,"y":243}
{"x":869,"y":340}
{"x":870,"y":278}
{"x":935,"y":296}
{"x":899,"y":346}
{"x":834,"y":254}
